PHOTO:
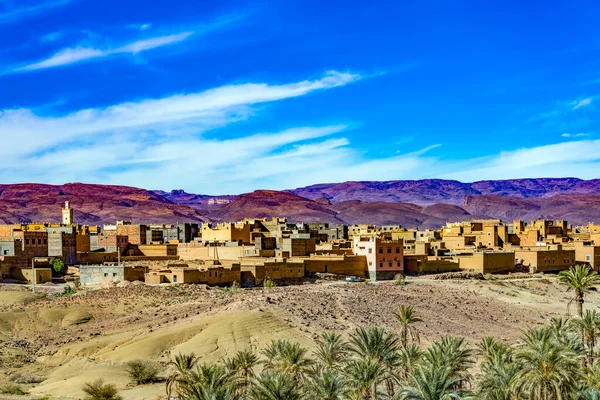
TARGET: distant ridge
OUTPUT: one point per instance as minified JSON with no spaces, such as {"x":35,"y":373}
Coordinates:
{"x":423,"y":203}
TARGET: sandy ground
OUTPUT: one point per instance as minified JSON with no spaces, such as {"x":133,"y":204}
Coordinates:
{"x":65,"y":342}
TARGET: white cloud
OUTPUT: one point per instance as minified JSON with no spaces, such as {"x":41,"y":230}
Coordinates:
{"x":144,"y":141}
{"x":79,"y":54}
{"x":581,"y":103}
{"x":17,"y":14}
{"x":575,"y":135}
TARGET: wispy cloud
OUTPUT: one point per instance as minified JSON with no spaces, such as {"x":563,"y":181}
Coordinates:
{"x":17,"y":14}
{"x":154,"y":135}
{"x":50,"y":37}
{"x":575,"y":135}
{"x":85,"y":53}
{"x":80,"y":54}
{"x":581,"y":103}
{"x":567,"y":114}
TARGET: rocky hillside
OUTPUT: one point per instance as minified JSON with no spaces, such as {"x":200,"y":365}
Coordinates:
{"x":427,"y":203}
{"x":93,"y":204}
{"x":432,"y":191}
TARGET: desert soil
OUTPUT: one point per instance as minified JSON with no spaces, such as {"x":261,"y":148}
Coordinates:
{"x":64,"y":342}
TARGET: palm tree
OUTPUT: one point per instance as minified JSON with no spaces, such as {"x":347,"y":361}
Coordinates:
{"x":382,"y":347}
{"x":589,"y":325}
{"x":432,"y":382}
{"x":208,"y":382}
{"x":327,"y":385}
{"x":548,"y":369}
{"x":497,"y":379}
{"x":287,"y":358}
{"x":580,"y":279}
{"x":331,"y":350}
{"x":407,"y":317}
{"x":408,"y":359}
{"x":183,"y":364}
{"x":453,"y":353}
{"x":492,"y":350}
{"x":242,"y":367}
{"x":364,"y":375}
{"x":274,"y":386}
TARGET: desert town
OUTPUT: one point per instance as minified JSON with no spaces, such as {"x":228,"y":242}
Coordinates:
{"x":252,"y":251}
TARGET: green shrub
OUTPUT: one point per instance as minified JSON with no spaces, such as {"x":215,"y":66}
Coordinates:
{"x":57,"y":265}
{"x":268,"y":283}
{"x":142,"y":372}
{"x":68,"y":290}
{"x":11,"y":388}
{"x":99,"y":391}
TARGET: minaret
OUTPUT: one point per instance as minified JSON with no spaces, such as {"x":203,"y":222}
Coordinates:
{"x":67,"y":214}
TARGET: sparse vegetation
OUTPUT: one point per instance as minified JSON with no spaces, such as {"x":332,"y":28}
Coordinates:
{"x":142,"y":372}
{"x":12,"y":389}
{"x":375,"y":363}
{"x":268,"y":283}
{"x":231,"y":290}
{"x":98,"y":390}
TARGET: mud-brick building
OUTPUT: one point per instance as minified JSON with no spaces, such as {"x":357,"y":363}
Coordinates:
{"x":97,"y":274}
{"x":545,"y":258}
{"x":488,"y":262}
{"x":385,"y":258}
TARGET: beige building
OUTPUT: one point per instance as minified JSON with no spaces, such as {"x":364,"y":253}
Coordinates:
{"x":488,"y":262}
{"x":545,"y":258}
{"x":227,"y":232}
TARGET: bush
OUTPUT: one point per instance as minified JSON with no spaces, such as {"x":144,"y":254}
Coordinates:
{"x":11,"y":388}
{"x":231,"y":290}
{"x":68,"y":290}
{"x":142,"y":372}
{"x":57,"y":265}
{"x":99,"y":391}
{"x":267,"y":284}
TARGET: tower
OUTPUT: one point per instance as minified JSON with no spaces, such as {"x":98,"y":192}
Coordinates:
{"x":67,"y":214}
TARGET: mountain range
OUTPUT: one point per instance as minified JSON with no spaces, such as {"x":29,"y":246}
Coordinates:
{"x":420,"y":203}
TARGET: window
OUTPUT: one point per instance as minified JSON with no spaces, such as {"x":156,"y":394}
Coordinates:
{"x":105,"y":274}
{"x":389,"y":250}
{"x":39,"y":241}
{"x":174,"y":278}
{"x":390,"y":265}
{"x":397,"y":250}
{"x":45,"y":241}
{"x":370,"y":263}
{"x":26,"y":241}
{"x":587,"y":257}
{"x":399,"y":264}
{"x":114,"y":274}
{"x":380,"y":250}
{"x":5,"y":252}
{"x":380,"y":265}
{"x":370,"y":251}
{"x":489,"y":233}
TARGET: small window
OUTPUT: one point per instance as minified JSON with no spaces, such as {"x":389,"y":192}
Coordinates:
{"x":45,"y":241}
{"x":399,"y":264}
{"x":114,"y":274}
{"x":397,"y":250}
{"x":5,"y":252}
{"x":587,"y":257}
{"x":380,"y":250}
{"x":390,"y":265}
{"x":370,"y":251}
{"x":489,"y":233}
{"x":105,"y":274}
{"x":380,"y":265}
{"x":26,"y":241}
{"x":389,"y":250}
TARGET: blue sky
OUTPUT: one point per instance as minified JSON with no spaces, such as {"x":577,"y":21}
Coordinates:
{"x":231,"y":96}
